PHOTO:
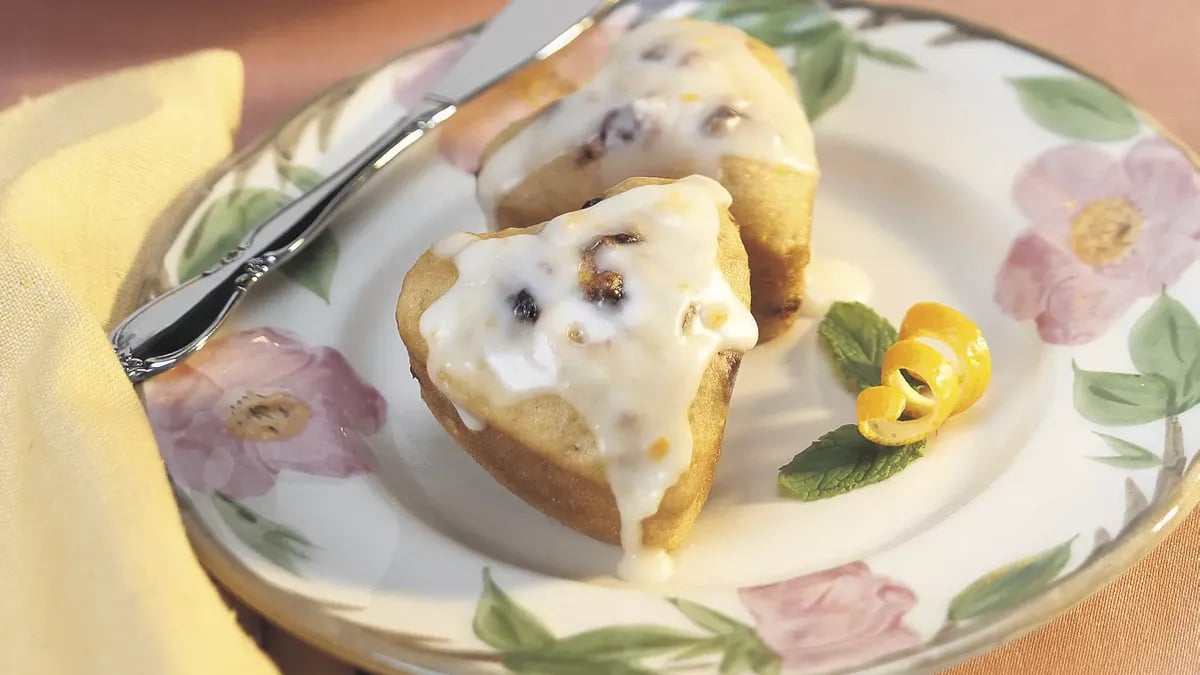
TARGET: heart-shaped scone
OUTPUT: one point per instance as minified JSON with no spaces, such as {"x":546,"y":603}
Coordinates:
{"x":675,"y":97}
{"x":587,"y":363}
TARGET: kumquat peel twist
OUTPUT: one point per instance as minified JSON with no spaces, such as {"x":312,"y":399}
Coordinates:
{"x":922,"y":384}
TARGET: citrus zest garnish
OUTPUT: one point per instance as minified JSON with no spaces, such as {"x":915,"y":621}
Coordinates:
{"x":933,"y":321}
{"x":889,"y":429}
{"x":922,"y":388}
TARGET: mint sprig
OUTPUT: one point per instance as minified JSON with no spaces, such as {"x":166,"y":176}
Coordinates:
{"x":842,"y":460}
{"x":856,"y":336}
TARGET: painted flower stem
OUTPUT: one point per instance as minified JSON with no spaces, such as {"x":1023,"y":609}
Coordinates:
{"x":1174,"y":460}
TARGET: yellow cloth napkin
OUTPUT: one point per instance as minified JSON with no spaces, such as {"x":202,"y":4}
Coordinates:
{"x":96,"y":575}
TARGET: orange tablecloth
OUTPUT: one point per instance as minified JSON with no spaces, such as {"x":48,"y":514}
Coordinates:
{"x":1148,"y":621}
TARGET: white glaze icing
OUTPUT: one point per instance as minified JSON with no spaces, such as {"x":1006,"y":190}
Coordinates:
{"x":630,"y":368}
{"x":648,"y":566}
{"x":655,"y":97}
{"x":827,"y":281}
{"x":469,"y":421}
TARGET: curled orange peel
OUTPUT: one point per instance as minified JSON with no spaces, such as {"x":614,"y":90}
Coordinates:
{"x":922,"y":384}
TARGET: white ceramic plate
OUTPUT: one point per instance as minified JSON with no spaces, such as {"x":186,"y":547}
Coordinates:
{"x":957,"y":167}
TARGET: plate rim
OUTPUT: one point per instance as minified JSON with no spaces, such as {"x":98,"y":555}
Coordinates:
{"x":314,"y":623}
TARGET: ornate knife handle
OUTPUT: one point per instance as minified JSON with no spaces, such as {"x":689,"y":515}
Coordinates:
{"x":169,"y":328}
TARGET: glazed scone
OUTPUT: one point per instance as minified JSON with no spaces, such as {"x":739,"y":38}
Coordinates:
{"x":587,"y":363}
{"x":675,"y":97}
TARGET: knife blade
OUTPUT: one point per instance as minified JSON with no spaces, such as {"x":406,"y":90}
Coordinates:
{"x":163,"y":332}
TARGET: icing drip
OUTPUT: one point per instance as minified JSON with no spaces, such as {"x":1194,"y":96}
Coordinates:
{"x":617,"y":309}
{"x":828,"y":281}
{"x":673,"y":97}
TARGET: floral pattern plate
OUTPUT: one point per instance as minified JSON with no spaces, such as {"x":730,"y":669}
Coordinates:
{"x":958,"y":166}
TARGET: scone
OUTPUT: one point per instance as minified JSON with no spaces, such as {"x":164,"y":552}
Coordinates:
{"x":587,"y":362}
{"x":675,"y":97}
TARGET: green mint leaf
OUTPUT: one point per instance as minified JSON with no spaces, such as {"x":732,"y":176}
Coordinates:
{"x":857,"y":338}
{"x":1076,"y":107}
{"x":841,"y":461}
{"x":1006,"y":586}
{"x":505,"y":625}
{"x":1128,"y":455}
{"x":891,"y":57}
{"x":1120,"y":399}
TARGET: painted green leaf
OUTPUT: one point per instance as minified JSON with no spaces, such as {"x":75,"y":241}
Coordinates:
{"x":1188,"y":395}
{"x":731,"y":8}
{"x":710,"y":11}
{"x":745,"y":652}
{"x":325,"y":112}
{"x":815,"y":33}
{"x":1076,"y":107}
{"x":741,"y":647}
{"x":1005,"y":587}
{"x":786,"y":15}
{"x":857,"y":337}
{"x":750,"y":653}
{"x":627,"y":642}
{"x":1165,"y":341}
{"x":314,"y":265}
{"x":300,"y":176}
{"x":842,"y":461}
{"x":824,"y":68}
{"x":797,"y":26}
{"x":276,"y":542}
{"x":765,"y":661}
{"x":1128,"y":455}
{"x":712,"y":645}
{"x":824,"y":53}
{"x":504,"y":624}
{"x":709,"y":619}
{"x":887,"y":55}
{"x":1120,"y":399}
{"x":224,"y":223}
{"x":538,"y":663}
{"x":735,"y":660}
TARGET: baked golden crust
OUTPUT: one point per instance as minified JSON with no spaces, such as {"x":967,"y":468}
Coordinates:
{"x":772,"y":203}
{"x":541,"y":449}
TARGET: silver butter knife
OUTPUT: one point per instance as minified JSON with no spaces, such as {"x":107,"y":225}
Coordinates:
{"x":163,"y":332}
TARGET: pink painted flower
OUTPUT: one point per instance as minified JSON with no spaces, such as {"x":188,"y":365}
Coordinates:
{"x":419,"y":72}
{"x":465,"y":135}
{"x":838,"y":617}
{"x":1103,"y":233}
{"x":252,"y":404}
